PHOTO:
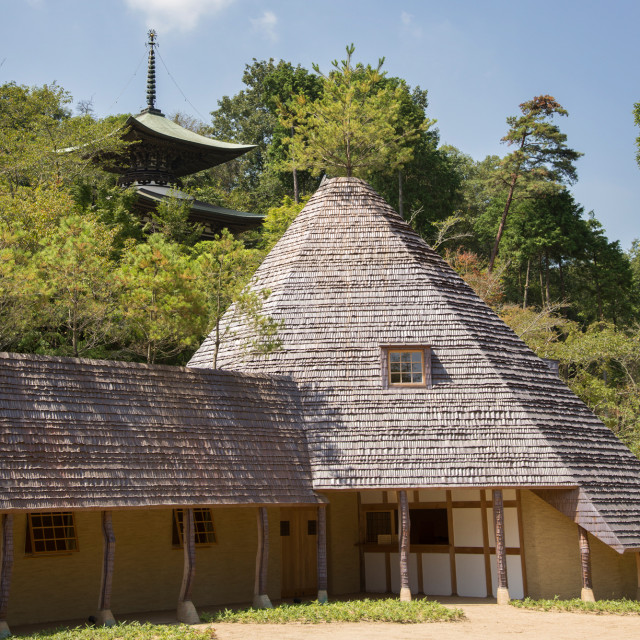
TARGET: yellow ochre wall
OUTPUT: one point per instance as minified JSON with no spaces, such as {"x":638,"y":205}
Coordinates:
{"x":343,"y":560}
{"x":552,"y":557}
{"x":147,"y":571}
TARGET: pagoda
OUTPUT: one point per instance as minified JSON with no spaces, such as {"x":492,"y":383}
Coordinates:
{"x":163,"y":152}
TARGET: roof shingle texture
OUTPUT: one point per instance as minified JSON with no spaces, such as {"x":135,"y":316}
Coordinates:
{"x":92,"y":434}
{"x":350,"y":276}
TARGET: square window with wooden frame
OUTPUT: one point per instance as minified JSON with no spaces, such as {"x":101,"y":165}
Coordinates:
{"x":50,"y":533}
{"x":204,"y":530}
{"x":406,"y":366}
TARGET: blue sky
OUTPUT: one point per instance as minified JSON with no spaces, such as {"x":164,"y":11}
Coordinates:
{"x":479,"y":61}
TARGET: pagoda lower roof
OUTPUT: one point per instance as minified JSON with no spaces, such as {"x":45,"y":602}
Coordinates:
{"x":211,"y":217}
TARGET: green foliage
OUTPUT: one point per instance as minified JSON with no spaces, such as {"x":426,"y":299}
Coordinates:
{"x":365,"y":610}
{"x":125,"y":631}
{"x":163,"y":313}
{"x":355,"y":127}
{"x":541,"y":160}
{"x":75,"y":276}
{"x":223,"y":268}
{"x":171,"y":219}
{"x":619,"y":607}
{"x":277,"y":221}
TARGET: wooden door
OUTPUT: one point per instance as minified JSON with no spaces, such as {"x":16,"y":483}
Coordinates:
{"x":298,"y":537}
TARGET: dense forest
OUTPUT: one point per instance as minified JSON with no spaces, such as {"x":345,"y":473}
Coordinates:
{"x":81,"y":275}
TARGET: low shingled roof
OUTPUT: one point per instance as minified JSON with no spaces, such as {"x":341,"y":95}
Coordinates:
{"x":350,"y":276}
{"x":79,"y":434}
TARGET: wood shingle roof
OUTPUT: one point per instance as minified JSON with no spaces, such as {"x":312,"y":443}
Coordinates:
{"x":350,"y":276}
{"x":94,"y":434}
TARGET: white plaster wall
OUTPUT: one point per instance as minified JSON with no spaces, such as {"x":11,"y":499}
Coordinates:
{"x":470,"y":575}
{"x":436,"y":574}
{"x":375,"y":573}
{"x":432,"y":495}
{"x":462,"y":495}
{"x":467,"y":527}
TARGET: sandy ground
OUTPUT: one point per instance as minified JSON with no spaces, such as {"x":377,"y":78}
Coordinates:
{"x":483,"y":620}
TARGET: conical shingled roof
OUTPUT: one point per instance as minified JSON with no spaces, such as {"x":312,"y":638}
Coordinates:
{"x":348,"y":278}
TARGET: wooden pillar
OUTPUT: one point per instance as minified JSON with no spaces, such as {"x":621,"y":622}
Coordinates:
{"x":104,"y":615}
{"x":260,"y":597}
{"x":501,"y":556}
{"x":585,"y":564}
{"x":186,"y":611}
{"x":5,"y":572}
{"x":403,"y":542}
{"x":323,"y":596}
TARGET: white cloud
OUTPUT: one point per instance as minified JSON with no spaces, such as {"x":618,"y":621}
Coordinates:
{"x":182,"y":15}
{"x":266,"y":25}
{"x":409,"y":24}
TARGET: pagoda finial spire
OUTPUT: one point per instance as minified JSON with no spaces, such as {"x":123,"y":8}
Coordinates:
{"x":151,"y":72}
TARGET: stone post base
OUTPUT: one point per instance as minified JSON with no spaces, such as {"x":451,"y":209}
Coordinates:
{"x":104,"y":618}
{"x":262,"y":602}
{"x":587,"y":595}
{"x":502,"y":596}
{"x":405,"y":595}
{"x":323,"y":596}
{"x":5,"y":632}
{"x":187,"y":612}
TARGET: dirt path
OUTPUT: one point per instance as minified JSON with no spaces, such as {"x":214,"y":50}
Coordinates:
{"x":483,"y":621}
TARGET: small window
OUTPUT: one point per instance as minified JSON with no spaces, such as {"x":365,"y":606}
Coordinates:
{"x":406,"y":366}
{"x":204,"y":531}
{"x":312,"y":527}
{"x":285,"y":529}
{"x":49,"y":533}
{"x":381,"y":527}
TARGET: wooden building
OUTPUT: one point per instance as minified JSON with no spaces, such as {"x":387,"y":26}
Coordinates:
{"x":403,"y":440}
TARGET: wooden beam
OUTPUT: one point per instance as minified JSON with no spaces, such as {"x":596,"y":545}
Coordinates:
{"x":322,"y":554}
{"x":586,"y":593}
{"x":403,"y":541}
{"x":5,"y":572}
{"x":104,"y":615}
{"x":362,"y":527}
{"x":186,"y":611}
{"x":260,"y":598}
{"x":501,"y":557}
{"x":452,"y":546}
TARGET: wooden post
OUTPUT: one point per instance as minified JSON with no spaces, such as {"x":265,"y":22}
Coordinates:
{"x":186,"y":611}
{"x":104,"y":615}
{"x":260,"y":597}
{"x":323,"y":596}
{"x":501,"y":556}
{"x":405,"y":529}
{"x":5,"y":572}
{"x":585,"y":563}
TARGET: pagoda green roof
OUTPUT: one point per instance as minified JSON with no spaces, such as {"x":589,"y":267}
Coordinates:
{"x":159,"y":125}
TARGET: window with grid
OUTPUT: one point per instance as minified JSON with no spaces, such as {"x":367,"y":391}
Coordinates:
{"x":48,"y":533}
{"x":204,"y":529}
{"x":380,"y":527}
{"x":406,"y":367}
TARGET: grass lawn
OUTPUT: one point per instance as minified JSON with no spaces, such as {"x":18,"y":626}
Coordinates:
{"x":620,"y":607}
{"x":127,"y":631}
{"x":365,"y":610}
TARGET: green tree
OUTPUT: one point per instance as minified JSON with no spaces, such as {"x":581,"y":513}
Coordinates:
{"x":541,"y":160}
{"x":162,"y":312}
{"x":355,"y":126}
{"x":224,"y":267}
{"x":278,"y":219}
{"x":76,"y":276}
